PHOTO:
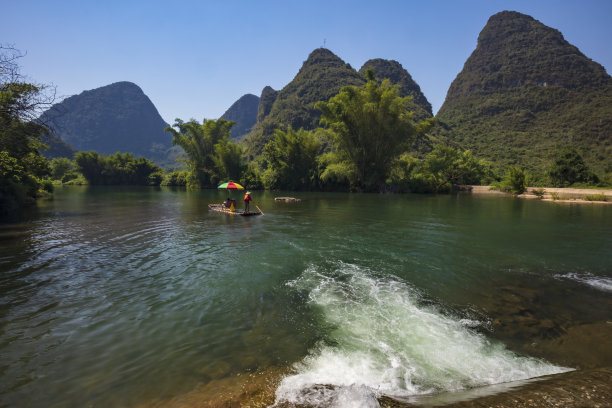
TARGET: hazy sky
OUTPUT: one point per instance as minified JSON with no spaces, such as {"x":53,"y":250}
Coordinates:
{"x":195,"y":58}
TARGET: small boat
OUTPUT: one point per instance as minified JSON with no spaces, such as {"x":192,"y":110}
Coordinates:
{"x":223,"y":209}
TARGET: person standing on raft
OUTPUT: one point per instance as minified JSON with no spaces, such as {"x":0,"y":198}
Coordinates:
{"x":247,"y":201}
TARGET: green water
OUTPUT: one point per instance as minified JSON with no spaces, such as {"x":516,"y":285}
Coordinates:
{"x":117,"y":297}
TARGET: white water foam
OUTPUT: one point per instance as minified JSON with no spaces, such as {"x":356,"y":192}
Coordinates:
{"x":384,"y":342}
{"x":597,"y":282}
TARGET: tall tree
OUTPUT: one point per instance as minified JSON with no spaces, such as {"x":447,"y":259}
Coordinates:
{"x":199,"y":141}
{"x":22,"y":167}
{"x":291,"y":161}
{"x":371,"y":127}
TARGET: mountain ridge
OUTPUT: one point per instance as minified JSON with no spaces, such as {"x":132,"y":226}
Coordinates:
{"x":244,"y":113}
{"x":115,"y":117}
{"x":523,"y":92}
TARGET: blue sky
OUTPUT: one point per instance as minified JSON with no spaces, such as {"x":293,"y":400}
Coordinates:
{"x":195,"y":58}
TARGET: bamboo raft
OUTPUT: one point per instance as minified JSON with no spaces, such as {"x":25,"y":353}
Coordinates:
{"x":223,"y":209}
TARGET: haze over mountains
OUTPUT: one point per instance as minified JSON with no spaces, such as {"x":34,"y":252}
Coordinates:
{"x":523,"y":92}
{"x":116,"y":117}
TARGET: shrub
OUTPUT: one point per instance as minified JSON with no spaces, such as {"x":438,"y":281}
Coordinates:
{"x":515,"y":181}
{"x":77,"y":180}
{"x":555,"y":196}
{"x":176,"y":178}
{"x":539,"y":192}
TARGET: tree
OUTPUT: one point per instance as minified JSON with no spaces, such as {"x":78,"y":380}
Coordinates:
{"x":515,"y":181}
{"x":569,"y":168}
{"x":118,"y":169}
{"x":207,"y":163}
{"x":91,"y":165}
{"x":227,"y":160}
{"x":22,"y":167}
{"x":60,"y":166}
{"x":371,"y":127}
{"x":451,"y":167}
{"x":290,"y":158}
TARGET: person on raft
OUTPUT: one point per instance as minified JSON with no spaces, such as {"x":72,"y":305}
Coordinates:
{"x":247,"y":201}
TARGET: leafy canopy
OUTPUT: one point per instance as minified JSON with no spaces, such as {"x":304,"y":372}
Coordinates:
{"x":568,"y":168}
{"x":291,"y":162}
{"x":371,"y":127}
{"x":211,"y":157}
{"x":22,"y":167}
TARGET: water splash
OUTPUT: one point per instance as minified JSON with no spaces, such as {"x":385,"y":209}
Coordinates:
{"x":597,"y":282}
{"x":384,"y":341}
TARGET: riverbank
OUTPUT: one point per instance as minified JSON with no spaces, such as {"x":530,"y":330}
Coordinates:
{"x":587,"y":388}
{"x":582,"y":388}
{"x":559,"y":195}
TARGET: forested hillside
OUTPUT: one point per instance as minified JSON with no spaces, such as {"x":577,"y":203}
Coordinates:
{"x":116,"y":117}
{"x":322,"y":75}
{"x":524,"y":92}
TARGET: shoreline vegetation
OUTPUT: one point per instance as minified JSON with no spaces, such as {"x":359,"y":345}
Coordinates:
{"x":555,"y":194}
{"x":367,"y":140}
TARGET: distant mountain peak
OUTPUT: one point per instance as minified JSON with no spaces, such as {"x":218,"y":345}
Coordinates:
{"x":395,"y":72}
{"x":244,"y":113}
{"x":525,"y":90}
{"x":266,"y":100}
{"x":115,"y":117}
{"x":323,"y":56}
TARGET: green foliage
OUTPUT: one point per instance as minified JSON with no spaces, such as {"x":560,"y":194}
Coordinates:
{"x":22,"y":168}
{"x":117,"y":169}
{"x":555,"y":196}
{"x":515,"y":181}
{"x":211,"y":156}
{"x":569,"y":168}
{"x":394,"y":72}
{"x":526,"y":90}
{"x":337,"y":173}
{"x":176,"y":178}
{"x":60,"y":167}
{"x":440,"y":171}
{"x":321,"y":77}
{"x":75,"y":179}
{"x":451,"y":167}
{"x":371,"y":127}
{"x":290,"y":160}
{"x":251,"y":178}
{"x":595,"y":197}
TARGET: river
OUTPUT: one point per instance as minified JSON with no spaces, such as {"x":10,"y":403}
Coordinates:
{"x":141,"y":296}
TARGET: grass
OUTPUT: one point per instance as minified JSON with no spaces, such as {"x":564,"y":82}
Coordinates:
{"x":595,"y":197}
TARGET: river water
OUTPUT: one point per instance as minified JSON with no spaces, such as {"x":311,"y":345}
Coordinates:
{"x":138,"y":296}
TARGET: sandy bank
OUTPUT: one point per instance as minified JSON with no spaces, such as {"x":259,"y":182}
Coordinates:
{"x":563,"y":195}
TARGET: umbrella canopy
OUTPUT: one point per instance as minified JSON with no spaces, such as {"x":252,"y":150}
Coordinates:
{"x":230,"y":185}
